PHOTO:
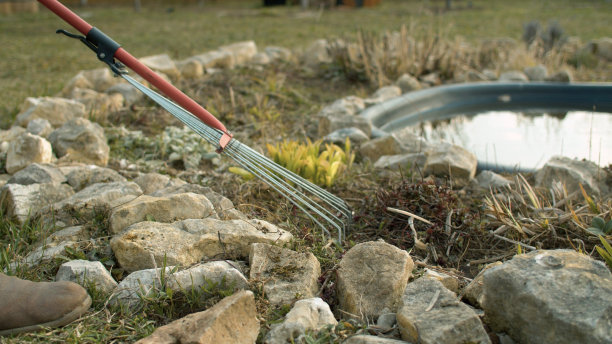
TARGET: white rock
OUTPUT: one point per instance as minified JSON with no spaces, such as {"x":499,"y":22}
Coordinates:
{"x":317,"y":53}
{"x":25,"y":150}
{"x":82,"y":176}
{"x":216,"y":59}
{"x":243,"y":52}
{"x":162,"y":63}
{"x":87,"y":273}
{"x":40,"y":127}
{"x":37,"y":174}
{"x":514,"y":75}
{"x":20,"y":202}
{"x":383,"y":94}
{"x":81,"y":140}
{"x":306,"y":315}
{"x":56,"y":110}
{"x":451,"y":161}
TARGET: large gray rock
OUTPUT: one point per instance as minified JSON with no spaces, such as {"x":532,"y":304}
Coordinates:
{"x":242,"y":52}
{"x":97,"y":105}
{"x":429,"y":313}
{"x":25,"y":150}
{"x":89,"y":203}
{"x":572,"y":173}
{"x":20,"y":202}
{"x":306,"y":315}
{"x":40,"y":127}
{"x":87,"y":273}
{"x":536,"y":73}
{"x":231,"y":321}
{"x":410,"y":160}
{"x":81,"y":140}
{"x":37,"y":174}
{"x":561,"y":76}
{"x":137,"y":285}
{"x":473,"y":292}
{"x":224,"y":274}
{"x":355,"y":135}
{"x":371,"y":277}
{"x":148,"y":244}
{"x":151,"y":182}
{"x":287,"y":274}
{"x":411,"y":142}
{"x":451,"y":161}
{"x":558,"y":296}
{"x":601,"y":47}
{"x":56,"y":110}
{"x":160,"y":209}
{"x":82,"y":176}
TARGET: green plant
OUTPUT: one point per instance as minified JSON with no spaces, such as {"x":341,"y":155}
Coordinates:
{"x":310,"y":162}
{"x":606,"y":252}
{"x":600,"y":227}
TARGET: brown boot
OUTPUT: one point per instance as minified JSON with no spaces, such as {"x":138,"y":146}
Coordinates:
{"x":29,"y":306}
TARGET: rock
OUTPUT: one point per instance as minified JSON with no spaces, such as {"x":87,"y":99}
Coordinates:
{"x":11,"y":134}
{"x":372,"y":276}
{"x":491,"y":75}
{"x":408,"y":83}
{"x":97,"y":105}
{"x":25,"y":150}
{"x":350,"y":105}
{"x":222,"y":274}
{"x":431,"y":79}
{"x":451,"y":161}
{"x":81,"y":140}
{"x":243,"y":52}
{"x":306,"y":315}
{"x":160,"y":209}
{"x":287,"y":275}
{"x":93,"y":201}
{"x":335,"y":122}
{"x":56,"y":110}
{"x":151,"y":182}
{"x":383,"y":94}
{"x":37,"y":174}
{"x":100,"y":80}
{"x":561,"y":76}
{"x":411,"y":142}
{"x":22,"y":201}
{"x":233,"y":320}
{"x":317,"y":53}
{"x":366,"y":339}
{"x":428,"y":313}
{"x":386,"y":320}
{"x":216,"y":59}
{"x":473,"y":291}
{"x":386,"y":145}
{"x":190,"y":69}
{"x":472,"y":76}
{"x":82,"y":176}
{"x":449,"y":282}
{"x":131,"y":94}
{"x":407,"y":161}
{"x":278,"y":53}
{"x":558,"y":296}
{"x":147,"y":244}
{"x":223,"y":206}
{"x":54,"y":245}
{"x":138,"y":284}
{"x":87,"y":273}
{"x":339,"y":136}
{"x":513,"y":75}
{"x":3,"y":179}
{"x":536,"y":73}
{"x":602,"y":48}
{"x":40,"y":127}
{"x":572,"y":173}
{"x":162,"y":63}
{"x":491,"y":180}
{"x":261,"y":59}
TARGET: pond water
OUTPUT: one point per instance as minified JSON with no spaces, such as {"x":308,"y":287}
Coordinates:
{"x":525,"y":141}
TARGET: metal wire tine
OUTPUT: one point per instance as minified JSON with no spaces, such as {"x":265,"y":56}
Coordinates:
{"x":276,"y":176}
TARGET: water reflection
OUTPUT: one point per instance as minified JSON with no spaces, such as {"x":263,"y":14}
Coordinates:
{"x":526,"y":140}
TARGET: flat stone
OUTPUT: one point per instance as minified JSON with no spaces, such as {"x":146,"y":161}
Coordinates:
{"x":148,"y":244}
{"x":371,"y":277}
{"x":287,"y":275}
{"x":25,"y":150}
{"x":559,"y":296}
{"x":339,"y":136}
{"x":408,"y":161}
{"x":386,"y":145}
{"x":37,"y":174}
{"x":429,"y":313}
{"x":87,"y":273}
{"x":411,"y":142}
{"x":151,"y":182}
{"x":94,"y":200}
{"x":82,"y":176}
{"x":20,"y":202}
{"x":138,"y":284}
{"x":449,"y":282}
{"x":451,"y":161}
{"x":54,"y":245}
{"x":243,"y":52}
{"x":56,"y":110}
{"x":572,"y":173}
{"x":160,"y":209}
{"x":232,"y":320}
{"x":223,"y":274}
{"x":81,"y":140}
{"x":306,"y":315}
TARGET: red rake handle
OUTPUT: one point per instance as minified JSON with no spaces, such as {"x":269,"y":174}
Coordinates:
{"x":131,"y":62}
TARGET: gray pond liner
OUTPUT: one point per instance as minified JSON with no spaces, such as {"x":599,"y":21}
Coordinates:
{"x":446,"y":102}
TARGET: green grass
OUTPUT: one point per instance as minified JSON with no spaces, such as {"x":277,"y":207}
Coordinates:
{"x":36,"y":62}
